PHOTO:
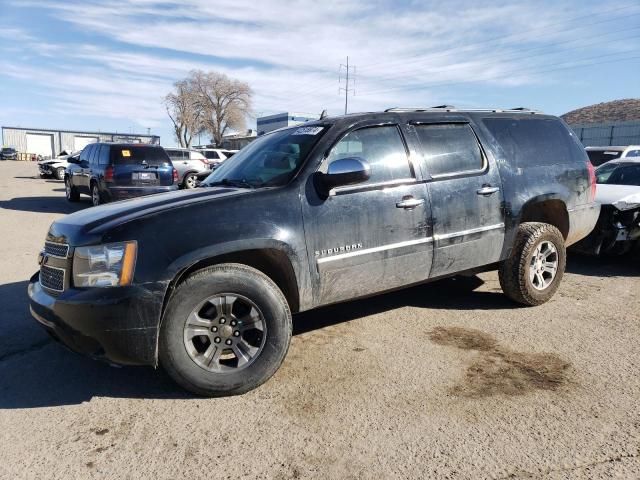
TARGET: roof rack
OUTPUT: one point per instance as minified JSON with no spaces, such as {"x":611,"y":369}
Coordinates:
{"x":450,"y":108}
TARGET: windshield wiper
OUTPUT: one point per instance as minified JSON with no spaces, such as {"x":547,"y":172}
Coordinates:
{"x":233,"y":182}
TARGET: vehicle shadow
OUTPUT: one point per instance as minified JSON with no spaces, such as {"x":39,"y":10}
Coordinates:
{"x":45,"y":204}
{"x":42,"y":373}
{"x":604,"y":266}
{"x":447,"y":294}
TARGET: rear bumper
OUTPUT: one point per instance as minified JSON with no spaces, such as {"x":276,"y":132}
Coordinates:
{"x":115,"y":324}
{"x":582,"y":220}
{"x":122,"y":193}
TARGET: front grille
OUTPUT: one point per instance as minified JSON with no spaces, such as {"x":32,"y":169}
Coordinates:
{"x":52,"y":278}
{"x":56,"y":249}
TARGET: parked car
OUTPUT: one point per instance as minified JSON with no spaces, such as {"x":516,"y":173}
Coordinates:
{"x":56,"y":167}
{"x":8,"y":153}
{"x":216,"y":156}
{"x":109,"y":172}
{"x":204,"y":282}
{"x":190,"y":164}
{"x":618,"y":228}
{"x":601,"y":155}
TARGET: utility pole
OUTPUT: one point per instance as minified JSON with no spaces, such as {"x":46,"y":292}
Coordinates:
{"x":346,"y":85}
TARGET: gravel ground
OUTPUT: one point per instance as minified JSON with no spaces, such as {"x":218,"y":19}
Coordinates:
{"x":431,"y":382}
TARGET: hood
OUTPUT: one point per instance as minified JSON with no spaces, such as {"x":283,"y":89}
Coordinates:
{"x":623,"y":197}
{"x":86,"y":225}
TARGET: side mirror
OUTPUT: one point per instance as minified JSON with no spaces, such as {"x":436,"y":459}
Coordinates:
{"x":72,"y":160}
{"x":345,"y":171}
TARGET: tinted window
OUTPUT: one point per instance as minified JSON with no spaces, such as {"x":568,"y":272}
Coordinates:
{"x":104,"y":155}
{"x":598,"y":157}
{"x":604,"y":172}
{"x":136,"y":154}
{"x":84,"y":155}
{"x":94,"y":155}
{"x":633,"y":153}
{"x":450,"y":149}
{"x":626,"y":175}
{"x":381,"y":147}
{"x":211,"y":155}
{"x":271,"y":160}
{"x":531,"y":142}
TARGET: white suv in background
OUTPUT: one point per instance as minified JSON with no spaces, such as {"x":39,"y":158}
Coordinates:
{"x":190,"y":164}
{"x":216,"y":155}
{"x":600,"y":155}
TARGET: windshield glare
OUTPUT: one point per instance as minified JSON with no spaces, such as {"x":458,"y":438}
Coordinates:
{"x":269,"y":161}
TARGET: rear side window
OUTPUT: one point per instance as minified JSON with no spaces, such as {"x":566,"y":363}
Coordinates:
{"x":381,"y":147}
{"x":104,"y":155}
{"x":532,"y":142}
{"x":137,"y":154}
{"x":633,"y":153}
{"x":450,"y":149}
{"x":212,"y":155}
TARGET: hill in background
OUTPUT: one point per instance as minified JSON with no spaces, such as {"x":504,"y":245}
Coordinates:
{"x":616,"y":111}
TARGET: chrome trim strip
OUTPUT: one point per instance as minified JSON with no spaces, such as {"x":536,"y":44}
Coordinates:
{"x":41,"y":319}
{"x":64,"y":275}
{"x":382,"y":248}
{"x":468,"y":232}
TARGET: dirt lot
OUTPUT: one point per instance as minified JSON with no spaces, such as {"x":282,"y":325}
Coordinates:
{"x":435,"y":381}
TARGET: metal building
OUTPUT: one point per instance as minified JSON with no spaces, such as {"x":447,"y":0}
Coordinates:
{"x":608,"y":133}
{"x":279,"y":120}
{"x":48,"y":143}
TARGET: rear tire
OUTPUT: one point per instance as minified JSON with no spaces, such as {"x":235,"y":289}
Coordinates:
{"x":533,"y":273}
{"x":203,"y":329}
{"x":71,"y":192}
{"x":96,"y":196}
{"x":190,"y":181}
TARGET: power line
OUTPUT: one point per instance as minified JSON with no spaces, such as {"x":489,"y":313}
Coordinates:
{"x":503,"y":74}
{"x":420,"y":58}
{"x":346,"y":83}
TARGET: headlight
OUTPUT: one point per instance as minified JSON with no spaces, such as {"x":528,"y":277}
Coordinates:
{"x":109,"y":265}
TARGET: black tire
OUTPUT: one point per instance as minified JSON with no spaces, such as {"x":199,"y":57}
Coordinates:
{"x":59,"y":173}
{"x":514,"y":271}
{"x":232,"y":279}
{"x":189,"y":181}
{"x":71,"y":192}
{"x":96,"y":196}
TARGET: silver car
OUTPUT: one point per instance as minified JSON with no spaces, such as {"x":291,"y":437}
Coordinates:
{"x":190,"y":164}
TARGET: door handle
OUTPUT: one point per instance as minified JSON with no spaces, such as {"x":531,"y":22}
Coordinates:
{"x":487,"y":190}
{"x":410,"y":202}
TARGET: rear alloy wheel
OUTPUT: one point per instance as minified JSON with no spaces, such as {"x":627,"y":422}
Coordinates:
{"x":70,"y":191}
{"x":226,"y":330}
{"x":190,"y":181}
{"x":96,"y":198}
{"x":533,"y":272}
{"x":59,"y":173}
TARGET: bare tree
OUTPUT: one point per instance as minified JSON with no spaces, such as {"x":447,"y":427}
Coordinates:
{"x":223,"y":101}
{"x":184,"y":112}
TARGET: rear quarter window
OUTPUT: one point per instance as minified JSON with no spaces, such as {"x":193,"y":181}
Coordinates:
{"x":137,"y":154}
{"x":534,"y":142}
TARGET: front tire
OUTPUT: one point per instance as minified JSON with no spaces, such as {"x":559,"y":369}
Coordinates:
{"x":59,"y":174}
{"x":70,"y":191}
{"x":226,"y":331}
{"x":533,"y":273}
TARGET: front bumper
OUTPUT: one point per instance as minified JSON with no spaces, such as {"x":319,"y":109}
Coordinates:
{"x":123,"y":193}
{"x":117,"y":324}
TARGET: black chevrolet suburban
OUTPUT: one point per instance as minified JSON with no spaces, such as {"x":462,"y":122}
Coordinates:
{"x":204,"y":282}
{"x":116,"y":171}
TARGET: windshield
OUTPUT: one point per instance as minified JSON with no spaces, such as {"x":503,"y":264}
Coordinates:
{"x":269,"y":161}
{"x":619,"y":174}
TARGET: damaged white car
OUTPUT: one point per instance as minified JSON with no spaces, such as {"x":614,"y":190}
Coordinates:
{"x":618,"y":229}
{"x":55,"y":167}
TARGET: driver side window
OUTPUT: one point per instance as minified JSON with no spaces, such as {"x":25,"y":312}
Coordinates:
{"x":381,"y":147}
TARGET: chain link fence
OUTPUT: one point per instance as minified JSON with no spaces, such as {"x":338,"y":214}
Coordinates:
{"x":605,"y":134}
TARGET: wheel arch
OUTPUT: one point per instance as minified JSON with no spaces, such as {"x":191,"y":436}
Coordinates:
{"x":549,"y":209}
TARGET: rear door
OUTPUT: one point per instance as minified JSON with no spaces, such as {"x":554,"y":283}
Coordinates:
{"x":141,"y":166}
{"x":373,"y":236}
{"x":466,"y":196}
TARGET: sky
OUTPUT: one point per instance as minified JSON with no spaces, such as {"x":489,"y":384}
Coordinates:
{"x":106,"y":65}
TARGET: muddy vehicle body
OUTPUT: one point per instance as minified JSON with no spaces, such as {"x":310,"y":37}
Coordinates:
{"x":204,"y":282}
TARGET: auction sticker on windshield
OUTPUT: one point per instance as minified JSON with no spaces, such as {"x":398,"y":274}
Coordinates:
{"x":308,"y":131}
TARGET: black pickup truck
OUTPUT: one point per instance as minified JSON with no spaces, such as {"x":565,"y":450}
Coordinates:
{"x":204,"y":282}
